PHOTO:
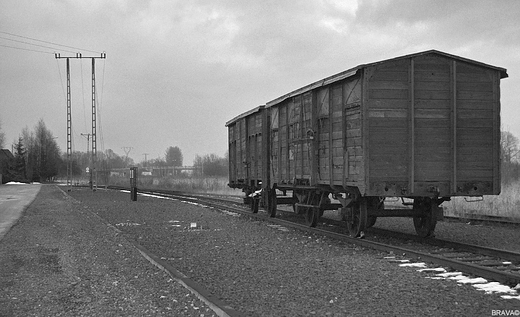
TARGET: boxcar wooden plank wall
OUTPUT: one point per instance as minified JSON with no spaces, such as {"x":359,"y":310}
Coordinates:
{"x":352,"y":137}
{"x":478,"y":128}
{"x":306,"y":137}
{"x":336,"y":102}
{"x":433,"y":126}
{"x":232,"y":153}
{"x":387,"y":103}
{"x":254,"y":147}
{"x":316,"y":136}
{"x":245,"y":149}
{"x":324,"y":132}
{"x":432,"y":112}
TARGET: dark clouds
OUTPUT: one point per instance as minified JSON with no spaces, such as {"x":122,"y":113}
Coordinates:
{"x":176,"y":71}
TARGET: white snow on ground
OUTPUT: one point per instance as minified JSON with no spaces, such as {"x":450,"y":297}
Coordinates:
{"x":479,"y":283}
{"x":169,"y":198}
{"x":448,"y":274}
{"x":155,"y":196}
{"x":436,"y":269}
{"x":417,"y":264}
{"x":467,"y":280}
{"x":16,"y":183}
{"x":482,"y":284}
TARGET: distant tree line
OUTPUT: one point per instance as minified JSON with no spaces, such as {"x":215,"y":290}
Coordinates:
{"x":510,"y":157}
{"x":211,"y":165}
{"x":172,"y":157}
{"x":36,"y":157}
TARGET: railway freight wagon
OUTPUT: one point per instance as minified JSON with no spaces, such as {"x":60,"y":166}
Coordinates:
{"x":423,"y":127}
{"x":246,"y":148}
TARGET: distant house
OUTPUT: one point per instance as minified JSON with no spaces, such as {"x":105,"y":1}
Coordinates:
{"x":6,"y":161}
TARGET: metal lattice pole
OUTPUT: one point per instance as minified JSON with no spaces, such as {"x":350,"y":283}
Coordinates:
{"x":94,"y":142}
{"x":69,"y":118}
{"x":69,"y":132}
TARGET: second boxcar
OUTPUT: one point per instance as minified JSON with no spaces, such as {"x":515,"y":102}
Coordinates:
{"x":246,"y":159}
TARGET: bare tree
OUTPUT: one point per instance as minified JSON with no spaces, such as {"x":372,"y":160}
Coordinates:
{"x":509,"y":155}
{"x":509,"y":147}
{"x":43,"y":153}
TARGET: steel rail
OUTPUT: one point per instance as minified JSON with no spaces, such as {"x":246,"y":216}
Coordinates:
{"x":469,"y":268}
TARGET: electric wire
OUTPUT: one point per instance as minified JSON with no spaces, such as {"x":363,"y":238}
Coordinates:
{"x":47,"y":42}
{"x":26,"y":49}
{"x":74,"y":133}
{"x":23,"y":42}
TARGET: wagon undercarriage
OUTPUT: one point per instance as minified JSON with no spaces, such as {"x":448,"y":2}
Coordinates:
{"x":358,"y":212}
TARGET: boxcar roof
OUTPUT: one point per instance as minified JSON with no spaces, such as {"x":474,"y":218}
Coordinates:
{"x":352,"y":71}
{"x":245,"y":114}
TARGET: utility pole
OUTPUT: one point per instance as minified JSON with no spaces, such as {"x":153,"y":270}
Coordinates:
{"x":145,"y":155}
{"x":69,"y":116}
{"x":127,"y":150}
{"x":69,"y":131}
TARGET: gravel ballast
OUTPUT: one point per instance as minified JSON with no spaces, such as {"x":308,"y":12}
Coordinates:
{"x":266,"y":270}
{"x":61,"y":260}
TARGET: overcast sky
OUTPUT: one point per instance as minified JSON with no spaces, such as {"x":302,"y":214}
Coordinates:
{"x":176,"y":71}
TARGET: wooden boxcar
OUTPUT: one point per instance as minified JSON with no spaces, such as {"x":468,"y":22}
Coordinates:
{"x":246,"y":146}
{"x":424,"y":126}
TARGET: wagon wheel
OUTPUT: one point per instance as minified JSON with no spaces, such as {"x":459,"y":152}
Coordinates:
{"x":371,"y":221}
{"x":375,"y":203}
{"x":298,"y":198}
{"x":271,"y":203}
{"x":425,"y":224}
{"x":254,"y":204}
{"x":357,"y":222}
{"x":311,"y":216}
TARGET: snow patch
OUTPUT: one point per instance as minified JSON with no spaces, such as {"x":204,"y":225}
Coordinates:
{"x":417,"y":264}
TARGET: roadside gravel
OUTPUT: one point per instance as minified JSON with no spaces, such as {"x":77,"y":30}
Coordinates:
{"x":266,"y":270}
{"x":61,"y":260}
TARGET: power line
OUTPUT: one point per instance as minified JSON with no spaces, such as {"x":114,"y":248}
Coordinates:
{"x":44,"y":46}
{"x":47,"y":42}
{"x":26,"y":49}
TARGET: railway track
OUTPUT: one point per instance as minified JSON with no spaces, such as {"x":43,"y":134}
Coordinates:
{"x":492,"y":264}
